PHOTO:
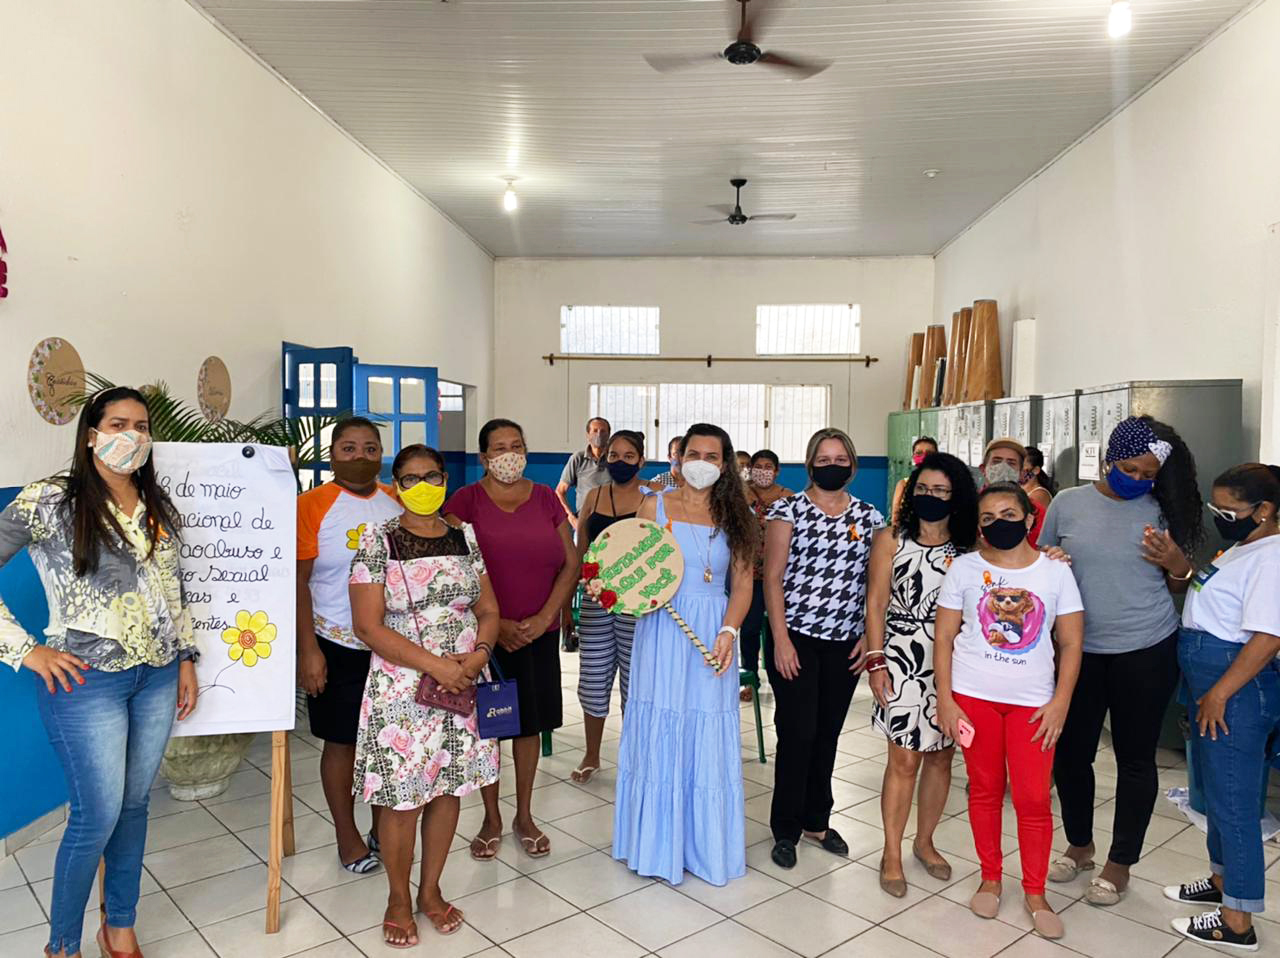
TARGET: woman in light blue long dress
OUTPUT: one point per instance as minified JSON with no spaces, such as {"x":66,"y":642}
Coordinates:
{"x":679,"y":794}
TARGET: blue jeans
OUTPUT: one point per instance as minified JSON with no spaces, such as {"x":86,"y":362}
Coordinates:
{"x":109,"y":734}
{"x":1234,"y":767}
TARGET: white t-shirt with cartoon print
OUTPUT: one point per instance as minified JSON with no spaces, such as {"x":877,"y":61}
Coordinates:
{"x":1004,"y":652}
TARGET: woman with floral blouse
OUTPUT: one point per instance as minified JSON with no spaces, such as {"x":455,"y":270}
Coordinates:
{"x":421,"y":600}
{"x":118,"y":660}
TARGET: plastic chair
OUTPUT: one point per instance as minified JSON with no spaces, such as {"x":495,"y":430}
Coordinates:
{"x":751,"y":680}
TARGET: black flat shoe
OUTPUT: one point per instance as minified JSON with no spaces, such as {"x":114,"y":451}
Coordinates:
{"x":784,"y":853}
{"x":831,"y":842}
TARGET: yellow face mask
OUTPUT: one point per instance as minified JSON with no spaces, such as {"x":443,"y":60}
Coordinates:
{"x":423,"y":499}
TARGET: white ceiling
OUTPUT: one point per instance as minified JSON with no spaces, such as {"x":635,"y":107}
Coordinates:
{"x":614,"y":158}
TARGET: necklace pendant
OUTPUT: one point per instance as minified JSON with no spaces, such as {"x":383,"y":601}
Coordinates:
{"x":706,"y":575}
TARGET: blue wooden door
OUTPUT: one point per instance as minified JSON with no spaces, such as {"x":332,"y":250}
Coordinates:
{"x":404,"y":401}
{"x":317,"y":382}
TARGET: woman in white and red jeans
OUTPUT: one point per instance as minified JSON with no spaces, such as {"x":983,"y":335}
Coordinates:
{"x":997,"y":693}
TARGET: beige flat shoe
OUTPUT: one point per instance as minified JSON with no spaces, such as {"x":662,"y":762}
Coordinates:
{"x":1102,"y":892}
{"x":897,"y":887}
{"x":939,"y":870}
{"x":1047,"y":924}
{"x":1066,"y":869}
{"x":985,"y":904}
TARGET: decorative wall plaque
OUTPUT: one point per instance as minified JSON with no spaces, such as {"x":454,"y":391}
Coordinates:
{"x":55,"y":376}
{"x":213,"y":389}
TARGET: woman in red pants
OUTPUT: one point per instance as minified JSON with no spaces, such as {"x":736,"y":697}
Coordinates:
{"x":998,"y":695}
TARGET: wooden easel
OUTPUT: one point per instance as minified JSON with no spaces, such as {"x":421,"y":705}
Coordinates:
{"x":280,"y":832}
{"x":280,"y":840}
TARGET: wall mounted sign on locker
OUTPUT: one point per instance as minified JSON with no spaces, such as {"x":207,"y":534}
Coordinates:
{"x":1205,"y":412}
{"x":1057,"y":436}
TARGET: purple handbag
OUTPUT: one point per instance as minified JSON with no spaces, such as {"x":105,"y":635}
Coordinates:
{"x":431,"y":694}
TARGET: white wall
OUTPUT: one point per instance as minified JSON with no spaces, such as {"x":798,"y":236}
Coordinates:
{"x":707,"y":305}
{"x":1143,"y":252}
{"x":165,"y":198}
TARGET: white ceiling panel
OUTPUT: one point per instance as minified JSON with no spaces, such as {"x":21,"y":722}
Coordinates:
{"x":614,"y":158}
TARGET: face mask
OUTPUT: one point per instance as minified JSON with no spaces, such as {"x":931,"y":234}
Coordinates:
{"x":1127,"y":487}
{"x":1000,"y":472}
{"x":598,"y":439}
{"x":122,"y":452}
{"x":622,"y":472}
{"x":508,"y":467}
{"x":762,"y":477}
{"x":917,"y":458}
{"x":356,"y":472}
{"x":1005,"y":534}
{"x":700,"y":474}
{"x":423,"y":499}
{"x":931,"y":508}
{"x":832,"y":477}
{"x":745,"y":473}
{"x":675,"y":463}
{"x":1236,"y":531}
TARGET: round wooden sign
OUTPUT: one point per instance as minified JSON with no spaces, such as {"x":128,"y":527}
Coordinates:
{"x":55,"y":376}
{"x":213,"y":389}
{"x":633,"y":567}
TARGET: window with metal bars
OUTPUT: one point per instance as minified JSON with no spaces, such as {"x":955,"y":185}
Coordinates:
{"x":755,"y":415}
{"x":609,"y":330}
{"x":812,"y":329}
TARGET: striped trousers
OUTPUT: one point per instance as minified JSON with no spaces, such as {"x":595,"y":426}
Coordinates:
{"x":604,"y":648}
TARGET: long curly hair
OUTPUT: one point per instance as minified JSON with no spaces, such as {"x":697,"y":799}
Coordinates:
{"x":729,"y":509}
{"x":963,"y":521}
{"x":1178,"y":492}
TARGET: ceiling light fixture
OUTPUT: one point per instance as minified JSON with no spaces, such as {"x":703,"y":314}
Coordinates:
{"x":1119,"y":20}
{"x":932,"y":173}
{"x":510,"y":202}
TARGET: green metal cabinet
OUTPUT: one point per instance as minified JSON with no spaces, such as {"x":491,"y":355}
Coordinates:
{"x":903,"y":430}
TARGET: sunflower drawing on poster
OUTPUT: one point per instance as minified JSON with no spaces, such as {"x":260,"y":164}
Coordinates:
{"x":238,"y":507}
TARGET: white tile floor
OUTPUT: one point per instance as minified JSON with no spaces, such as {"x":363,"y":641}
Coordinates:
{"x":205,"y":882}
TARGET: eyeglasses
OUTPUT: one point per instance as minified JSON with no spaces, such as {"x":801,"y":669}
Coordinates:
{"x":1231,"y":515}
{"x":409,"y":480}
{"x":938,"y":492}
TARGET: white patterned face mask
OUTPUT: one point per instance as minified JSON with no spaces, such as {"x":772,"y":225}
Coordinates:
{"x":508,"y":467}
{"x":700,"y":474}
{"x":122,"y":452}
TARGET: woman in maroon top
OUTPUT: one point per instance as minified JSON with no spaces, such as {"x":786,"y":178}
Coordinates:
{"x":533,"y":565}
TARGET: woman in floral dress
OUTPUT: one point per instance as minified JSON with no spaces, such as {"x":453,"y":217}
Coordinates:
{"x":421,"y":600}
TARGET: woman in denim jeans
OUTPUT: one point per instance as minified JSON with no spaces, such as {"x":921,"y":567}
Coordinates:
{"x":1227,"y":649}
{"x":119,"y":658}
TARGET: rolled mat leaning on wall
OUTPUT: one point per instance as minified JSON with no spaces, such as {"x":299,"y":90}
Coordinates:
{"x":34,"y":784}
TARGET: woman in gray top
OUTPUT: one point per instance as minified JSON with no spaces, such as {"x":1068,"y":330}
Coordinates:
{"x":1131,"y":536}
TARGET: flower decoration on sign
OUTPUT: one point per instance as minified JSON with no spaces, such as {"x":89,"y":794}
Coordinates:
{"x":354,"y":536}
{"x":607,"y":599}
{"x":590,"y":570}
{"x":594,"y":587}
{"x":250,"y":638}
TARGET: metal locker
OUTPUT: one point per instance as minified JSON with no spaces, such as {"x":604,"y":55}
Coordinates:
{"x":1016,"y":418}
{"x":946,"y":429}
{"x":903,"y":428}
{"x":973,"y":419}
{"x":1057,"y":436}
{"x":930,"y":420}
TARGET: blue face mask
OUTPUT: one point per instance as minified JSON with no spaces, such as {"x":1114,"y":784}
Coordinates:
{"x":1127,"y":487}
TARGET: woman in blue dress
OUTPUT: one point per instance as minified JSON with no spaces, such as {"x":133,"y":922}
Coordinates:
{"x":679,"y":794}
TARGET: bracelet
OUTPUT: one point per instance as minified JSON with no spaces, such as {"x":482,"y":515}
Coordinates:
{"x":488,"y":649}
{"x":736,"y":633}
{"x":877,"y":668}
{"x":875,"y":652}
{"x":1181,"y":578}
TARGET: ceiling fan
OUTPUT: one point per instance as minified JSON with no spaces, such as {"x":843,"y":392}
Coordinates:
{"x":742,"y":52}
{"x":735,"y":216}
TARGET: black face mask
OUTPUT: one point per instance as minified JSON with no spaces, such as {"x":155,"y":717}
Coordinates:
{"x":832,"y":477}
{"x":931,"y":508}
{"x":1236,"y":531}
{"x":1005,"y":534}
{"x":622,"y":472}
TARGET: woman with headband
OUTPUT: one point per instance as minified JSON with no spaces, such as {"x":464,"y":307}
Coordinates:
{"x":1131,"y":537}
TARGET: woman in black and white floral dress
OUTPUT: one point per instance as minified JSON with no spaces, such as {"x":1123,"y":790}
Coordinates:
{"x":937,"y":520}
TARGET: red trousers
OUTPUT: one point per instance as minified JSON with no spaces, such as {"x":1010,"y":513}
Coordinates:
{"x":1002,"y":739}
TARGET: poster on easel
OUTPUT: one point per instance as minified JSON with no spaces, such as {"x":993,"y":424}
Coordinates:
{"x":238,"y":505}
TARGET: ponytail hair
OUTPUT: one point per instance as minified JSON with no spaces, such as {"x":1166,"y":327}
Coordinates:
{"x":1177,"y":490}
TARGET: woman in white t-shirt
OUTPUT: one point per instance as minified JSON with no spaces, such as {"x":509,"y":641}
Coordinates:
{"x":1227,"y":650}
{"x":998,"y":695}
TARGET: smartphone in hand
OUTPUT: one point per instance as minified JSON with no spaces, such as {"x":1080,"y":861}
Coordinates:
{"x":964,"y":733}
